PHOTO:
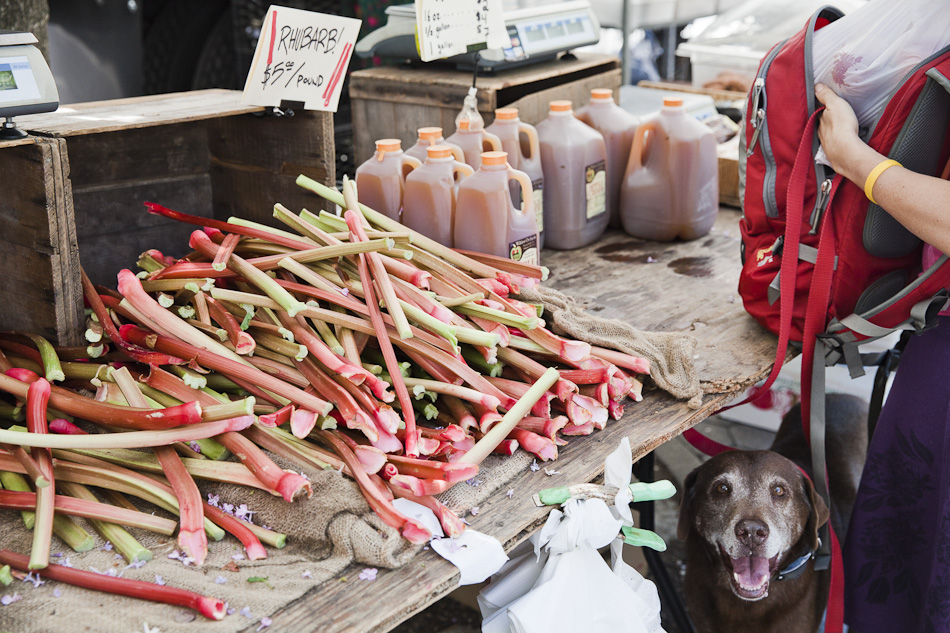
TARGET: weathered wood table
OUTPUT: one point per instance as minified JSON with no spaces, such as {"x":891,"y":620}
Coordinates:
{"x":674,"y":287}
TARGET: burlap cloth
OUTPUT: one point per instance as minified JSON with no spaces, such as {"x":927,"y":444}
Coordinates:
{"x":326,"y":534}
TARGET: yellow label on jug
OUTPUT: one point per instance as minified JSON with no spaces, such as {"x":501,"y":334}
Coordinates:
{"x":524,"y":250}
{"x":538,"y":195}
{"x":596,"y":178}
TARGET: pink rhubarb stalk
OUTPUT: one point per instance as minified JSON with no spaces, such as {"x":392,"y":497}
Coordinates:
{"x":211,"y":608}
{"x":36,"y":400}
{"x":243,"y":342}
{"x":431,"y":469}
{"x":61,"y":426}
{"x":634,"y":363}
{"x":72,"y":506}
{"x":452,"y":525}
{"x":238,"y":529}
{"x":226,"y":366}
{"x":191,"y":533}
{"x":288,"y":484}
{"x":541,"y":447}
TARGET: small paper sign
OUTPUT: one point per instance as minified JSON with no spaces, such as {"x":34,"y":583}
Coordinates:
{"x":301,"y":56}
{"x":448,"y":27}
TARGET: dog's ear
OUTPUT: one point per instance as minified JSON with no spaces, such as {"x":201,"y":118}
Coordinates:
{"x":686,"y":511}
{"x":817,"y":517}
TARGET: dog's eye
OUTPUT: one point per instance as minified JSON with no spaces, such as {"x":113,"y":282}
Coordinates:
{"x":723,"y":489}
{"x":778,"y":491}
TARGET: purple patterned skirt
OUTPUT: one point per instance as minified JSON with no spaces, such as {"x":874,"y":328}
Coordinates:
{"x":897,"y":553}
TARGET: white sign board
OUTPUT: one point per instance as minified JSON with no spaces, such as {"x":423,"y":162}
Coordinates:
{"x":301,"y":56}
{"x":451,"y":27}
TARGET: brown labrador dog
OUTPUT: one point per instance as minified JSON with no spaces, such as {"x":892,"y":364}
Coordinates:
{"x":750,"y":520}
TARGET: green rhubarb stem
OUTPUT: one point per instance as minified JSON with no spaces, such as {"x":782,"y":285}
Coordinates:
{"x":500,"y":431}
{"x":12,"y":412}
{"x":18,"y":483}
{"x":51,"y":365}
{"x":477,"y":361}
{"x":69,"y":532}
{"x":446,"y":331}
{"x":449,"y":389}
{"x":32,"y":467}
{"x":328,"y":336}
{"x":388,"y":224}
{"x":6,"y":578}
{"x":452,"y":302}
{"x":133,"y":439}
{"x":263,"y":228}
{"x":191,"y":535}
{"x":130,"y":549}
{"x":498,"y":316}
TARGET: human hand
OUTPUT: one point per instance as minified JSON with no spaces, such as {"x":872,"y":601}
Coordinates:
{"x":838,"y":129}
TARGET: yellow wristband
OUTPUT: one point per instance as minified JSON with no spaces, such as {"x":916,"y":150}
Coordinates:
{"x":875,"y":174}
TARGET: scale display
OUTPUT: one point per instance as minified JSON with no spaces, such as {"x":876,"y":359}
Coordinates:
{"x":17,"y":82}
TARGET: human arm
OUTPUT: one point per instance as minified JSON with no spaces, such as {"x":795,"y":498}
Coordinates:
{"x":920,"y":203}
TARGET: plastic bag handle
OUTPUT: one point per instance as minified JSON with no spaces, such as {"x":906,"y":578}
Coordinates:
{"x":534,"y":143}
{"x":527,"y":200}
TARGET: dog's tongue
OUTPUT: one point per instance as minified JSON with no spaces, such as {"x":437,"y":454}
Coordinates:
{"x":751,"y":571}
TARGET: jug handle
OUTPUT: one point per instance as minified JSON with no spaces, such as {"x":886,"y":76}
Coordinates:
{"x":461,"y":170}
{"x":527,"y":199}
{"x":534,"y":144}
{"x":489,"y":139}
{"x":457,"y":153}
{"x":408,"y":164}
{"x":635,"y":160}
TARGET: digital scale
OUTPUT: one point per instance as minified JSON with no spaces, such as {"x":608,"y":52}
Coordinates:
{"x":26,"y":83}
{"x":536,"y":34}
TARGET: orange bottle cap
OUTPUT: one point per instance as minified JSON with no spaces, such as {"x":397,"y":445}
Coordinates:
{"x":439,"y":151}
{"x":672,"y":102}
{"x":561,"y":106}
{"x":429,"y":133}
{"x":494,"y":158}
{"x":388,"y":145}
{"x":506,"y":114}
{"x":463,"y":124}
{"x":602,"y":93}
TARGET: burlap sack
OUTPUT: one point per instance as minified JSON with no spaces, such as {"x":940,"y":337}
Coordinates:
{"x":670,"y":353}
{"x":326,"y":534}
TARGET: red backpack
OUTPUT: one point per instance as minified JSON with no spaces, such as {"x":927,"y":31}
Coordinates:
{"x":822,"y":265}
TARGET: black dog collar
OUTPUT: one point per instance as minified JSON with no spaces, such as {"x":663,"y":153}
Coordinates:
{"x":797,"y":567}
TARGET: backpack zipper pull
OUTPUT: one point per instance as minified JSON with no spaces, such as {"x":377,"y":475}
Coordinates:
{"x":823,"y":196}
{"x":759,"y":117}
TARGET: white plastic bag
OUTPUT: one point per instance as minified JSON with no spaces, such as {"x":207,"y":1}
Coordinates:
{"x":864,"y":55}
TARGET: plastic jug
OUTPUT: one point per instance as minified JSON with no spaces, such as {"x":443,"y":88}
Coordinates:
{"x":485,"y":218}
{"x":432,"y":136}
{"x":671,"y":190}
{"x":520,"y":141}
{"x":430,"y":199}
{"x":380,"y":180}
{"x":618,"y":127}
{"x":574,"y":160}
{"x":474,"y":142}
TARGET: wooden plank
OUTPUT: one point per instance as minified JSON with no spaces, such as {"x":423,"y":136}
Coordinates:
{"x":38,"y":251}
{"x":689,"y":288}
{"x":255,"y":162}
{"x":136,"y":112}
{"x":113,"y":227}
{"x":533,"y":108}
{"x":717,"y":95}
{"x":728,"y":154}
{"x":120,"y":157}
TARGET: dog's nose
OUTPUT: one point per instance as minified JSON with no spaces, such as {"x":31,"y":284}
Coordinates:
{"x":751,"y":532}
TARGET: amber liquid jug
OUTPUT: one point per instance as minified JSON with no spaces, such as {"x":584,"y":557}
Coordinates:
{"x":380,"y":180}
{"x":520,"y":141}
{"x":430,"y":201}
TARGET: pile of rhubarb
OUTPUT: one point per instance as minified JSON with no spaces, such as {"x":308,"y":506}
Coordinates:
{"x":337,"y":341}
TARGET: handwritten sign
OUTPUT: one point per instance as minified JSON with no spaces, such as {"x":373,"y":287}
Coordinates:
{"x":448,"y":27}
{"x":301,"y":56}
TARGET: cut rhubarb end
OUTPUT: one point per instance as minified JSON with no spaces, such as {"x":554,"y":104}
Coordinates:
{"x":416,"y":533}
{"x":387,"y":442}
{"x":195,"y":544}
{"x":302,"y":422}
{"x":23,"y":375}
{"x":451,"y":524}
{"x":408,"y":482}
{"x":371,"y":458}
{"x":291,"y":485}
{"x":61,"y":426}
{"x":246,"y":344}
{"x":212,"y":608}
{"x":255,"y":551}
{"x":575,"y":350}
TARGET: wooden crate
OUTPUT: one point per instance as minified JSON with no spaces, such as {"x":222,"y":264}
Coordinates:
{"x":78,"y":183}
{"x":390,"y":102}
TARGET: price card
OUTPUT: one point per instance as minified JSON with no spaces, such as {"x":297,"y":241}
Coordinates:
{"x":301,"y":56}
{"x":448,"y":27}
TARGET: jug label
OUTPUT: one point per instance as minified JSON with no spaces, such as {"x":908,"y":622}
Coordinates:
{"x":524,"y":250}
{"x":537,"y":193}
{"x":596,"y":178}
